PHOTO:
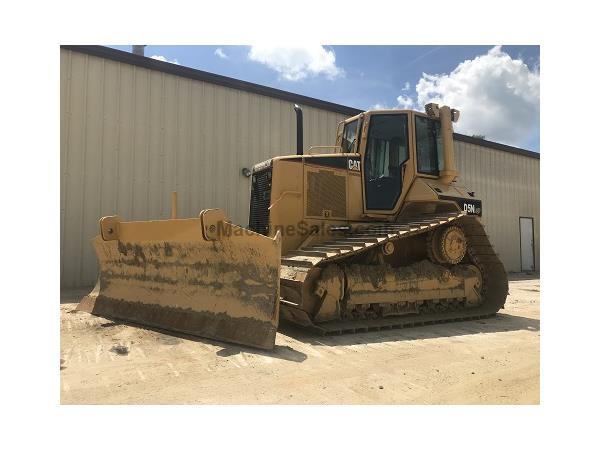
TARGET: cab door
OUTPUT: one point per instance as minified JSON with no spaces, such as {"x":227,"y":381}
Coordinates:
{"x":385,"y":157}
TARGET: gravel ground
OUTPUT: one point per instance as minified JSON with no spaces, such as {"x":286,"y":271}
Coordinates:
{"x":491,"y":361}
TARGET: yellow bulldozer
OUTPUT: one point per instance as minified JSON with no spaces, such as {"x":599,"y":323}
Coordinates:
{"x":372,"y":233}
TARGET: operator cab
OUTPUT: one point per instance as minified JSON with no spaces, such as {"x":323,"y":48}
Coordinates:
{"x":395,"y":146}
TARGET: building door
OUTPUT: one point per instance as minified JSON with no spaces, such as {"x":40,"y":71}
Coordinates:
{"x":527,"y":245}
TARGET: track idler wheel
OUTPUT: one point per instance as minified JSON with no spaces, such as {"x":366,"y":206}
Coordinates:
{"x":447,"y":245}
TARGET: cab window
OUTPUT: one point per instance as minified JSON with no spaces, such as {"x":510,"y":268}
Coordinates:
{"x":430,"y":156}
{"x":386,"y":152}
{"x":349,"y":136}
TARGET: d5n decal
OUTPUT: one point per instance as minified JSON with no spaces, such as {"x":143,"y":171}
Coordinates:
{"x":471,"y":206}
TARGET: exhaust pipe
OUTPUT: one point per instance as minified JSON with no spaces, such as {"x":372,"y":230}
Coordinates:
{"x":299,"y":131}
{"x":449,"y":172}
{"x":446,"y":115}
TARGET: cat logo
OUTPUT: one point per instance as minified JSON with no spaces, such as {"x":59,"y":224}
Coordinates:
{"x":354,"y":164}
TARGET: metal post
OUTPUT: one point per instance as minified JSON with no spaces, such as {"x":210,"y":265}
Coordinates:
{"x":174,"y":205}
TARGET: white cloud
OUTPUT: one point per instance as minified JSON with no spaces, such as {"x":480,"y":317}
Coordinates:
{"x":406,"y":86}
{"x":297,"y":63}
{"x":380,"y":106}
{"x":162,"y":58}
{"x":498,"y":96}
{"x":402,"y":102}
{"x":221,"y":54}
{"x":405,"y":102}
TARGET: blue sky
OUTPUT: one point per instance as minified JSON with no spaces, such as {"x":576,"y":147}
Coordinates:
{"x":496,"y":88}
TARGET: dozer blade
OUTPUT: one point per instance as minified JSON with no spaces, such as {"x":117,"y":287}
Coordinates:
{"x":201,"y":276}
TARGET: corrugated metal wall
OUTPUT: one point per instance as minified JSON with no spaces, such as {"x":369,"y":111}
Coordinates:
{"x":130,"y":136}
{"x":509,"y":186}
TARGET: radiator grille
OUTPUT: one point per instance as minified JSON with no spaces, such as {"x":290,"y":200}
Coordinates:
{"x":260,"y":198}
{"x":326,"y":191}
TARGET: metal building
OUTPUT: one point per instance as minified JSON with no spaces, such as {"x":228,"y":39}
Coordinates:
{"x":133,"y":129}
{"x":507,"y":179}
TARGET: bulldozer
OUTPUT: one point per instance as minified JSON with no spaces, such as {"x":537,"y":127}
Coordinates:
{"x":371,"y":233}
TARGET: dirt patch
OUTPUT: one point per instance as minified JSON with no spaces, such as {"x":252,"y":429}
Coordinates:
{"x":492,"y":361}
{"x":120,"y":349}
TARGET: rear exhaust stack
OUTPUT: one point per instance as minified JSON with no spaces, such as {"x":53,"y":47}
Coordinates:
{"x":299,"y":131}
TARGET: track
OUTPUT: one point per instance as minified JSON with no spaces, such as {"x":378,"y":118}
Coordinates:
{"x":296,"y":265}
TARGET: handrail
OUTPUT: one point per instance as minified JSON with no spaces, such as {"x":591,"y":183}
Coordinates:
{"x":283,"y":194}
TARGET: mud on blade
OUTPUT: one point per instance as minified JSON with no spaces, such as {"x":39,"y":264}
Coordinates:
{"x":201,"y":276}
